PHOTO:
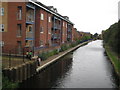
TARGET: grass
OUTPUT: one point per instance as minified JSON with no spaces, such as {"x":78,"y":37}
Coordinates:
{"x":114,"y":59}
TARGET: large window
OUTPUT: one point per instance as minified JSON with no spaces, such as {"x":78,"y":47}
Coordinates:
{"x":42,"y":16}
{"x":41,"y":30}
{"x":1,"y":27}
{"x":63,"y":24}
{"x":1,"y":11}
{"x":19,"y":13}
{"x":41,"y":43}
{"x":49,"y":30}
{"x":49,"y":19}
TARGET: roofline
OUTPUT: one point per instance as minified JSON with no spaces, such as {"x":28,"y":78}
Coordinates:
{"x":50,"y":11}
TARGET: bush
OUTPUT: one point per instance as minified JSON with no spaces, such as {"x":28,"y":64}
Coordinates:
{"x":55,"y":51}
{"x":6,"y":84}
{"x":43,"y":56}
{"x":46,"y":55}
{"x":63,"y":48}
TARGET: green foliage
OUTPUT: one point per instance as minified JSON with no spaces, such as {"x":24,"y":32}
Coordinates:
{"x":63,"y":47}
{"x":86,"y":38}
{"x":111,"y":37}
{"x":43,"y":56}
{"x":46,"y":55}
{"x":6,"y":84}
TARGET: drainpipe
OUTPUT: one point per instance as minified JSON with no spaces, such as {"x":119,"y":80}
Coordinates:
{"x":34,"y":32}
{"x":47,"y":30}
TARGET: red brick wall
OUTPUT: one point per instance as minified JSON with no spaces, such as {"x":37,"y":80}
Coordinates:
{"x":37,"y":28}
{"x":64,"y":30}
{"x":10,"y":37}
{"x":49,"y":28}
{"x":43,"y":23}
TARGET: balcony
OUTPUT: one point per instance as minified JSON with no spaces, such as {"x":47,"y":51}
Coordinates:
{"x":56,"y":27}
{"x":69,"y":30}
{"x":29,"y":35}
{"x":69,"y":36}
{"x":54,"y":37}
{"x":30,"y":19}
{"x":30,"y":16}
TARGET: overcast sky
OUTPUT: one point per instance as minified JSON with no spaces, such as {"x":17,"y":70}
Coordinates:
{"x":87,"y":15}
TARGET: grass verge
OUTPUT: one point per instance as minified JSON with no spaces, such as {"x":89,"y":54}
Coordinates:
{"x":114,"y":59}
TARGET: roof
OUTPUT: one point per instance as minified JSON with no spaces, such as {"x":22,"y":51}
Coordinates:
{"x":46,"y":8}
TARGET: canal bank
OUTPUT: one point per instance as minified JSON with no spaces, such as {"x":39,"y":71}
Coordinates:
{"x":56,"y":57}
{"x":115,"y":61}
{"x":86,"y":67}
{"x":28,"y":70}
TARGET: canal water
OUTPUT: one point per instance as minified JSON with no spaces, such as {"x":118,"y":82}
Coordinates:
{"x":86,"y":67}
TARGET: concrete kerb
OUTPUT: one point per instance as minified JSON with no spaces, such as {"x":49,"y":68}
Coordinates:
{"x":45,"y":65}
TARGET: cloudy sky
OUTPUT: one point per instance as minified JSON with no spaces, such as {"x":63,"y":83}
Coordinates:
{"x":87,"y":15}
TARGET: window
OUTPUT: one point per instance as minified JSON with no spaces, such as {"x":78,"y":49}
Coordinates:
{"x":42,"y":16}
{"x":63,"y":32}
{"x":19,"y":44}
{"x":2,"y":11}
{"x":41,"y":29}
{"x":1,"y":27}
{"x":19,"y":30}
{"x":41,"y":43}
{"x":30,"y":29}
{"x":49,"y":19}
{"x":66,"y":25}
{"x":49,"y":31}
{"x":19,"y":13}
{"x":1,"y":43}
{"x":63,"y":24}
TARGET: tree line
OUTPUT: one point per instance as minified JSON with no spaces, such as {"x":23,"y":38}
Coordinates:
{"x":111,"y":37}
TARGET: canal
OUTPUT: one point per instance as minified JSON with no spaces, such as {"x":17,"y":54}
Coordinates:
{"x":86,"y":67}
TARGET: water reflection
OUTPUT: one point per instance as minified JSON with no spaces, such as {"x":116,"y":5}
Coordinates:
{"x":87,"y":67}
{"x":50,"y":76}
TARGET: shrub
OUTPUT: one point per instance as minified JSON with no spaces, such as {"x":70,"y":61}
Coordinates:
{"x":6,"y":84}
{"x":43,"y":56}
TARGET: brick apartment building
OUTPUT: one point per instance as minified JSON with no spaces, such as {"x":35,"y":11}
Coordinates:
{"x":32,"y":24}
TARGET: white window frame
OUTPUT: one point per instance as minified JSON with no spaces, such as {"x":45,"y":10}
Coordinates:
{"x":49,"y":31}
{"x":63,"y":24}
{"x":2,"y":26}
{"x":2,"y":11}
{"x":2,"y":43}
{"x":42,"y":16}
{"x":66,"y":25}
{"x":42,"y":29}
{"x":49,"y":19}
{"x":41,"y":45}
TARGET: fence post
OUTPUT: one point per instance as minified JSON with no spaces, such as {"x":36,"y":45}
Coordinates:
{"x":23,"y":56}
{"x":33,"y":51}
{"x":9,"y":58}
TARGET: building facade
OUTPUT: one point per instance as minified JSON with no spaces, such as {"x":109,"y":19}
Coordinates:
{"x":33,"y":25}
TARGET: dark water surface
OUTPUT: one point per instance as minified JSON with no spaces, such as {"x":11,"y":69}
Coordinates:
{"x":86,"y":67}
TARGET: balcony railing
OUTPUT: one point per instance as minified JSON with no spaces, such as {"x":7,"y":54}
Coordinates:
{"x":57,"y":26}
{"x":29,"y":35}
{"x":30,"y":18}
{"x":69,"y":30}
{"x":69,"y":36}
{"x":55,"y":36}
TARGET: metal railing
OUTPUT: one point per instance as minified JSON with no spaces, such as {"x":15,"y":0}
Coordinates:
{"x":15,"y":57}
